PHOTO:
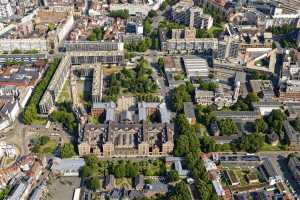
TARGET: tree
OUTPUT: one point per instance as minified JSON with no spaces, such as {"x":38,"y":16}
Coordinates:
{"x":131,"y":170}
{"x":275,"y":121}
{"x":260,"y":125}
{"x":119,"y":170}
{"x":91,"y":161}
{"x":67,"y":118}
{"x":227,"y":127}
{"x":182,"y":145}
{"x":86,"y":171}
{"x":152,"y":14}
{"x":180,"y":192}
{"x":124,"y":14}
{"x":203,"y":189}
{"x":147,"y":27}
{"x":16,"y":51}
{"x":180,"y":95}
{"x":251,"y":143}
{"x":207,"y":144}
{"x":173,"y":176}
{"x":4,"y":192}
{"x":92,"y":37}
{"x":93,"y":183}
{"x":44,"y":140}
{"x":67,"y":151}
{"x":296,"y":124}
{"x":252,"y":97}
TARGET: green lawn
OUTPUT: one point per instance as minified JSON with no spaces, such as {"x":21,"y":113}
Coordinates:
{"x":39,"y":121}
{"x":49,"y":147}
{"x":65,"y":94}
{"x":268,"y":147}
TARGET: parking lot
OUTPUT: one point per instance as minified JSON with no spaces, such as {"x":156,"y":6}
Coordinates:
{"x":62,"y":188}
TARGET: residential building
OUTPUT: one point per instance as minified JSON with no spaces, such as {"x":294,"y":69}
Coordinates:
{"x":263,"y":88}
{"x":33,"y":33}
{"x":97,"y":85}
{"x":184,"y":40}
{"x":27,"y":58}
{"x":109,"y":182}
{"x":103,"y":57}
{"x":46,"y":104}
{"x":293,"y":136}
{"x":191,"y":16}
{"x":294,"y":167}
{"x":269,"y":172}
{"x":227,"y":48}
{"x":51,"y":94}
{"x":238,"y":115}
{"x":6,"y":10}
{"x":139,"y":182}
{"x":93,"y":46}
{"x":239,"y":160}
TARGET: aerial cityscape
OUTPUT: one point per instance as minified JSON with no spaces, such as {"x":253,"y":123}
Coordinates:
{"x":149,"y":100}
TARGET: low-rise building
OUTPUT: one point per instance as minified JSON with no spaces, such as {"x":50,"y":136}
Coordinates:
{"x":109,"y":182}
{"x":67,"y":167}
{"x":263,"y":88}
{"x":189,"y":112}
{"x":196,"y":67}
{"x":269,"y":172}
{"x":293,"y":136}
{"x":294,"y":167}
{"x":139,"y":182}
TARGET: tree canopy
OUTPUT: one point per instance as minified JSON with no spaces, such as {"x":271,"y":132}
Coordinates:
{"x":227,"y":127}
{"x":181,"y":94}
{"x":67,"y":151}
{"x":30,"y":114}
{"x":124,"y":14}
{"x":260,"y":125}
{"x":138,"y":80}
{"x":251,"y":143}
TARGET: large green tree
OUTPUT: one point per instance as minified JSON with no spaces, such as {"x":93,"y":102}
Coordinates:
{"x":227,"y":127}
{"x":260,"y":125}
{"x":67,"y":151}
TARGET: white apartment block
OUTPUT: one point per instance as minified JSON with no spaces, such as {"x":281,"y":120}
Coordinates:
{"x":23,"y":44}
{"x":6,"y":10}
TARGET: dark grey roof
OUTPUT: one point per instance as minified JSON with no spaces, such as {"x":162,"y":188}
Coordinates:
{"x":189,"y":110}
{"x":269,"y":168}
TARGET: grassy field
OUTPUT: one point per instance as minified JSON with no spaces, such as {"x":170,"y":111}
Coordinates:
{"x":49,"y":147}
{"x":65,"y":94}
